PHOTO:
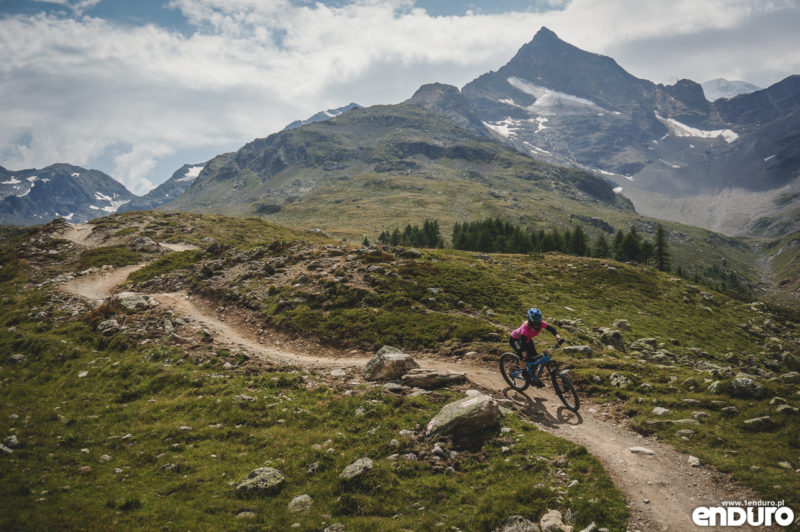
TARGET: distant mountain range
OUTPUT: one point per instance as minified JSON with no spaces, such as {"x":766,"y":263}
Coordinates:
{"x":721,"y":165}
{"x":166,"y":191}
{"x":60,"y":190}
{"x":731,"y":164}
{"x":29,"y":197}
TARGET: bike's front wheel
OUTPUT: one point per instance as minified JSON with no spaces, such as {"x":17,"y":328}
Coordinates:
{"x":513,"y":375}
{"x":565,"y":390}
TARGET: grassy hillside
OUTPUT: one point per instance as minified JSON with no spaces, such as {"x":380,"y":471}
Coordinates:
{"x":713,"y":362}
{"x":141,"y":428}
{"x":681,"y":346}
{"x":374,"y":169}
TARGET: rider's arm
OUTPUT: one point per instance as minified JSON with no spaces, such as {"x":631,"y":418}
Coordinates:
{"x":552,"y":330}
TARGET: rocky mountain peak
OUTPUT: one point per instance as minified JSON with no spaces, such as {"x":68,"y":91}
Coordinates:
{"x":447,"y":101}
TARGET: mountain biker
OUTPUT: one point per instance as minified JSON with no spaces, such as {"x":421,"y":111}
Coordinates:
{"x":522,"y":338}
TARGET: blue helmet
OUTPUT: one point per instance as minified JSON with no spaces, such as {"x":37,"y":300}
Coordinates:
{"x":535,"y":317}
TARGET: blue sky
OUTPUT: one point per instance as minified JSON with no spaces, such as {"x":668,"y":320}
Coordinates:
{"x":138,"y":88}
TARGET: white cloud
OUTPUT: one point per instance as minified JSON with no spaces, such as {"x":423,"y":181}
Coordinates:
{"x":78,"y":8}
{"x":80,"y":89}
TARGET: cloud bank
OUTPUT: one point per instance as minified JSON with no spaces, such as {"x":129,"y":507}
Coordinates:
{"x":131,"y":99}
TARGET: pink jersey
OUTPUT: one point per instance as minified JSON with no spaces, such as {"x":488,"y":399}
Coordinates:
{"x":527,"y":331}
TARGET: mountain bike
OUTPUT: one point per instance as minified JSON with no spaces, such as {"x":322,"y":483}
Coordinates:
{"x":520,"y":379}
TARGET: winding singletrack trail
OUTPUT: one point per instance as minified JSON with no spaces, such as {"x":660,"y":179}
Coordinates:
{"x":661,"y":489}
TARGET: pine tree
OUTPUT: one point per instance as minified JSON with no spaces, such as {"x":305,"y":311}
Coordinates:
{"x":601,"y":249}
{"x":616,"y":245}
{"x":578,"y":242}
{"x":661,"y":251}
{"x":365,"y":243}
{"x":631,"y":247}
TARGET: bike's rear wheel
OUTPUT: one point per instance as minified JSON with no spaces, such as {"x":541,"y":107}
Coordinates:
{"x":509,"y":368}
{"x":565,"y":390}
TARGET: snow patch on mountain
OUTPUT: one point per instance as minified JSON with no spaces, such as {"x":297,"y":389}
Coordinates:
{"x":767,"y":159}
{"x":682,"y":130}
{"x":113,"y":203}
{"x":551,"y":102}
{"x":191,"y":174}
{"x":75,"y":174}
{"x":12,"y":181}
{"x":671,"y":165}
{"x":509,"y":126}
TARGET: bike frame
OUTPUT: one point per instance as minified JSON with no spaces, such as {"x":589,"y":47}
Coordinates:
{"x":534,"y":373}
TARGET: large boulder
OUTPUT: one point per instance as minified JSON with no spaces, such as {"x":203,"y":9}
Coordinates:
{"x":429,"y":379}
{"x":464,"y":418}
{"x":389,"y":363}
{"x":261,"y":481}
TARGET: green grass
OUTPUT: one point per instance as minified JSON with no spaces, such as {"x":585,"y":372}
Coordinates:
{"x":169,"y":263}
{"x":163,"y":475}
{"x":111,"y":255}
{"x":446,"y":301}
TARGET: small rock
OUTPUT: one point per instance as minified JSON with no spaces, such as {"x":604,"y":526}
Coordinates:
{"x":11,"y":442}
{"x":82,"y":374}
{"x":747,"y":387}
{"x":591,"y":528}
{"x":301,"y":504}
{"x":619,"y":380}
{"x":261,"y":481}
{"x":105,"y":458}
{"x":552,"y":520}
{"x":730,"y":410}
{"x":108,"y":327}
{"x":5,"y":450}
{"x":789,"y":409}
{"x":246,"y":514}
{"x":357,"y":468}
{"x":660,"y":411}
{"x":762,"y":423}
{"x":641,"y":450}
{"x":429,"y":379}
{"x":694,"y":461}
{"x":18,"y":358}
{"x":517,"y":523}
{"x":623,"y":325}
{"x":338,"y":373}
{"x":85,"y":470}
{"x":579,"y":349}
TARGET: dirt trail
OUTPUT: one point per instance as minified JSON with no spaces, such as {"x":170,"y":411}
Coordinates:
{"x":661,"y":489}
{"x":99,"y":286}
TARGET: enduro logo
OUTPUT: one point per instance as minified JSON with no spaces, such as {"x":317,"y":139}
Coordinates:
{"x":753,"y":513}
